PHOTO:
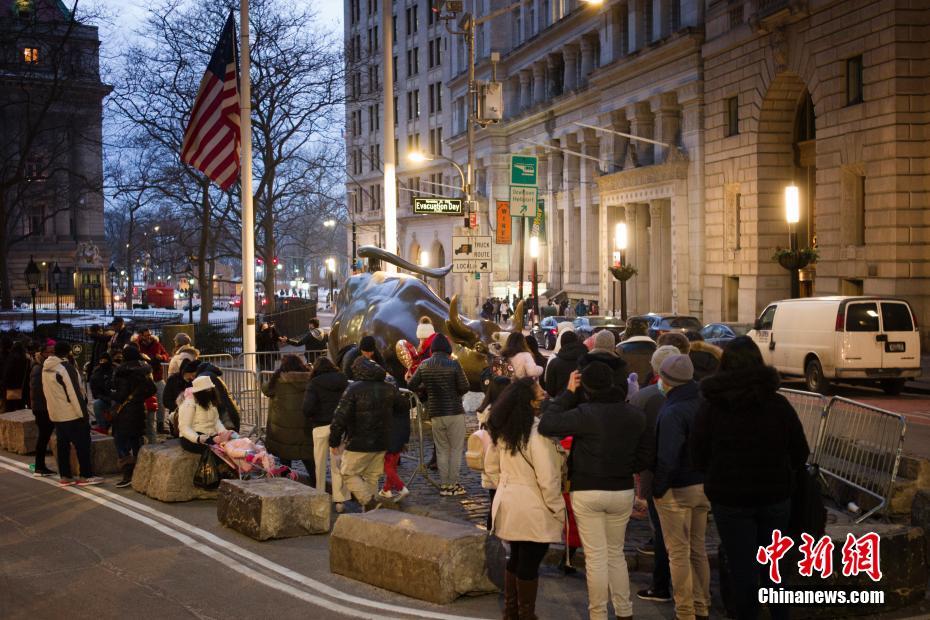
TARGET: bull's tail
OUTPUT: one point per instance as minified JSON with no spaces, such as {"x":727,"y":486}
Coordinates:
{"x":371,"y":251}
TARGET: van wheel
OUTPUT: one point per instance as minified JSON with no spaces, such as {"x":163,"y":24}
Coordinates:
{"x":813,"y":377}
{"x":892,"y":387}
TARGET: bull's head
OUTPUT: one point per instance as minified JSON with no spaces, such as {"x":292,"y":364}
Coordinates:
{"x":472,"y":339}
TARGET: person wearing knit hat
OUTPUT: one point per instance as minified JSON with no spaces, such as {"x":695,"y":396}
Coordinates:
{"x":367,"y":345}
{"x":678,"y":488}
{"x":445,"y":383}
{"x":610,"y":443}
{"x":565,"y":361}
{"x":604,"y":340}
{"x":425,"y":334}
{"x":425,"y":328}
{"x":677,"y":340}
{"x":603,"y":351}
{"x":181,"y":339}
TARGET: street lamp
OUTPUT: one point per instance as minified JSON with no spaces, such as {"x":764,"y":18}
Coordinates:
{"x":534,"y":254}
{"x":792,"y":217}
{"x":32,"y":279}
{"x":620,"y":242}
{"x":331,"y":267}
{"x":111,"y":271}
{"x":329,"y":223}
{"x":418,"y":157}
{"x":424,"y":261}
{"x":56,"y":276}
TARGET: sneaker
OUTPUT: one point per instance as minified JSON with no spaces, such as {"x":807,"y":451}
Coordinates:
{"x":446,"y":490}
{"x":125,"y":482}
{"x":66,"y":482}
{"x":83,"y":482}
{"x":458,"y":489}
{"x":647,"y":549}
{"x":43,"y":472}
{"x":654,"y":595}
{"x":386,"y":495}
{"x":340,"y":507}
{"x":404,"y":492}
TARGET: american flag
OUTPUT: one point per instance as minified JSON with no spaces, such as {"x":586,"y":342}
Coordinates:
{"x":211,"y":141}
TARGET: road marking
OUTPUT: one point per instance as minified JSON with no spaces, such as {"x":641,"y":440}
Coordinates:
{"x":133,"y":509}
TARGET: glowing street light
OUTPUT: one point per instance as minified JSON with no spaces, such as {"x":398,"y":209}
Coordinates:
{"x":621,"y":239}
{"x":329,"y":223}
{"x":792,"y":204}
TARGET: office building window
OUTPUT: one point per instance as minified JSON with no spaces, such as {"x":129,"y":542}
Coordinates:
{"x":854,"y":80}
{"x":732,"y":116}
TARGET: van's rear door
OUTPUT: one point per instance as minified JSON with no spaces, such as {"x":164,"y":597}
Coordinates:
{"x":861,"y":347}
{"x":901,"y":346}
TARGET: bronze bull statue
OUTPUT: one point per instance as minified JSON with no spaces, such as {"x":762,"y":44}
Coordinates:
{"x":388,"y":306}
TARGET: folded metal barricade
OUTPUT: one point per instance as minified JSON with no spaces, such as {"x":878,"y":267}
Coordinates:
{"x":417,"y":420}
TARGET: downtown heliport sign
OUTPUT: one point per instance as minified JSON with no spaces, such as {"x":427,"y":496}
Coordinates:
{"x":437,"y":206}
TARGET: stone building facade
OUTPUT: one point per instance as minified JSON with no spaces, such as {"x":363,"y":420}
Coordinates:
{"x":53,"y":196}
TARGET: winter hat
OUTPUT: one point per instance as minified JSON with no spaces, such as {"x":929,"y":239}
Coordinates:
{"x":597,"y":377}
{"x":201,"y":384}
{"x":367,"y":344}
{"x":425,"y":328}
{"x":440,"y":345}
{"x":568,"y":338}
{"x":49,"y":343}
{"x":604,"y":340}
{"x":660,"y":354}
{"x":131,"y":354}
{"x":181,"y":339}
{"x":676,"y":370}
{"x":677,"y":340}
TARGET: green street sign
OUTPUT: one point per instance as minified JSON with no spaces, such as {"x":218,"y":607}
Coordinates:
{"x":523,"y":201}
{"x":523,"y":169}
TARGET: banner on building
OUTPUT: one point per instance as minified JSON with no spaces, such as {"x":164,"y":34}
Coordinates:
{"x":504,"y":225}
{"x":539,"y":222}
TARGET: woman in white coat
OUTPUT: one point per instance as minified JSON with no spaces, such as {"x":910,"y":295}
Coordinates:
{"x":528,"y":509}
{"x":198,"y":417}
{"x":517,"y":352}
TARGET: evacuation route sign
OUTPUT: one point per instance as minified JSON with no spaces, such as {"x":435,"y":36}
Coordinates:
{"x":504,"y":225}
{"x":471,"y":254}
{"x":523,"y":169}
{"x":523,"y":201}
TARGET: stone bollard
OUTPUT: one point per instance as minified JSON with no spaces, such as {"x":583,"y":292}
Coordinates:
{"x":420,"y":557}
{"x":102,"y":454}
{"x":273,"y":508}
{"x":18,"y":432}
{"x":165,"y":471}
{"x":920,"y":516}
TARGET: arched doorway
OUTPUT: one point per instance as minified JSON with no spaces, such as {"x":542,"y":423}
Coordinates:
{"x":805,"y":177}
{"x":439,"y":261}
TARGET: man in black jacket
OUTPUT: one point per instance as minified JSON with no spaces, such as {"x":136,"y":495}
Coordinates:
{"x":445,"y":383}
{"x":564,"y":363}
{"x":101,"y":386}
{"x":132,"y":386}
{"x":364,"y":418}
{"x":367,"y":348}
{"x":314,"y":341}
{"x":40,"y":409}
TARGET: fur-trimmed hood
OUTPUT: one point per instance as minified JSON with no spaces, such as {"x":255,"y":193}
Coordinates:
{"x":741,"y":388}
{"x":699,"y":346}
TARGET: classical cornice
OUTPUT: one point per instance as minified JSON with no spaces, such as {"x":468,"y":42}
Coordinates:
{"x":675,"y":168}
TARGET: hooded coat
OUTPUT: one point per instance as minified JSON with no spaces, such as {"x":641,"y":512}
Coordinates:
{"x":561,"y":366}
{"x":132,"y":385}
{"x":747,"y":439}
{"x":637,"y":352}
{"x":156,"y":354}
{"x":64,"y":394}
{"x":705,"y":358}
{"x":186,"y":352}
{"x":616,"y":364}
{"x":289,"y":434}
{"x":228,"y":408}
{"x":322,"y":396}
{"x":445,"y":384}
{"x":369,"y":410}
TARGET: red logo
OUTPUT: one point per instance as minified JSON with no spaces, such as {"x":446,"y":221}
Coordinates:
{"x":859,"y":555}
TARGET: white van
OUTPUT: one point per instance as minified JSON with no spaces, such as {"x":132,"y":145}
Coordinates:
{"x":849,"y":339}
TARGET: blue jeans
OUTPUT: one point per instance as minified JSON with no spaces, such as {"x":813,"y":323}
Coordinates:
{"x":100,"y":406}
{"x":742,"y":531}
{"x":127,"y":447}
{"x":661,"y":573}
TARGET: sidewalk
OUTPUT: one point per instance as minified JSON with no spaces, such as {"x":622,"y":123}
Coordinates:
{"x":922,"y":383}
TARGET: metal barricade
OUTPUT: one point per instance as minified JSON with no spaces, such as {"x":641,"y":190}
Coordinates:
{"x":243,"y":387}
{"x":860,"y":446}
{"x":417,"y":415}
{"x":270,"y":360}
{"x":811,"y":409}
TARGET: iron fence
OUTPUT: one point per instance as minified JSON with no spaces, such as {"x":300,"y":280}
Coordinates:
{"x":811,"y":409}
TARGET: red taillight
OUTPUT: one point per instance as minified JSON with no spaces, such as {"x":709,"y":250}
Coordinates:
{"x":552,"y":331}
{"x":839,"y":321}
{"x":914,"y":318}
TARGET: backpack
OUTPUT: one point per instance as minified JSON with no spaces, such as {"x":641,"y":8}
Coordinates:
{"x":478,"y":443}
{"x":501,"y":367}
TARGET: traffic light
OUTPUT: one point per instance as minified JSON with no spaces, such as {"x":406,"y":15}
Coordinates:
{"x":259,"y":261}
{"x":274,"y":261}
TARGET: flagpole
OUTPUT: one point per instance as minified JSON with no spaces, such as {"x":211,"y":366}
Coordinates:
{"x":248,"y":217}
{"x":390,"y":157}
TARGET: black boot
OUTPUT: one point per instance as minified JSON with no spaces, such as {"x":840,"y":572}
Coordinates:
{"x":510,"y":596}
{"x":127,"y":477}
{"x":526,"y":598}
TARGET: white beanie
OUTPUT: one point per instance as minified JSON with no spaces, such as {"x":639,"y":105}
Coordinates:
{"x":425,"y":330}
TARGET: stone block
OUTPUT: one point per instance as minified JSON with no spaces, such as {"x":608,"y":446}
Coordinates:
{"x":920,"y":515}
{"x":102,"y":454}
{"x":165,"y":471}
{"x":420,"y":557}
{"x":903,"y":562}
{"x":18,"y":432}
{"x":273,"y":508}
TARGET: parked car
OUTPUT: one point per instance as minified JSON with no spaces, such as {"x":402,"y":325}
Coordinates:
{"x":660,"y":323}
{"x":722,"y":333}
{"x":592,"y":324}
{"x":848,"y":339}
{"x":546,"y":331}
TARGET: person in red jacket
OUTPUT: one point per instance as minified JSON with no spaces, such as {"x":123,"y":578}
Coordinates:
{"x":151,"y":348}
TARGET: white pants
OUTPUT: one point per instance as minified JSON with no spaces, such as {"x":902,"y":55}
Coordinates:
{"x":320,"y":452}
{"x":602,"y":517}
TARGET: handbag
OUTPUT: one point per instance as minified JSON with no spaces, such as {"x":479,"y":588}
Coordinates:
{"x":207,"y":475}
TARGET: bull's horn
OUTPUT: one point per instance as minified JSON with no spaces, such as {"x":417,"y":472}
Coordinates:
{"x":371,"y":251}
{"x":457,"y":329}
{"x":518,"y":318}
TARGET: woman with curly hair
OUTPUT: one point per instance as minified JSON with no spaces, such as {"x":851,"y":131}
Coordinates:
{"x":528,"y":509}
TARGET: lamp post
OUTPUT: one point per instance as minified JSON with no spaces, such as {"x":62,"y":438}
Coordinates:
{"x":534,"y":254}
{"x":331,"y":268}
{"x":792,"y":217}
{"x":111,"y":271}
{"x":56,"y":276}
{"x":620,"y":242}
{"x":32,"y":279}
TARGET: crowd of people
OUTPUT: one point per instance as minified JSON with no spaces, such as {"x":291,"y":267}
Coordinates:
{"x":568,"y":447}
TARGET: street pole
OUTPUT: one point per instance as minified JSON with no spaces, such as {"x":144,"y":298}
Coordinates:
{"x":390,"y":157}
{"x":248,"y":215}
{"x":35,"y":317}
{"x":623,"y":288}
{"x":522,"y":252}
{"x":57,"y":305}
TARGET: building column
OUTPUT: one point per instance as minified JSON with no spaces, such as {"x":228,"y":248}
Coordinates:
{"x":554,"y":218}
{"x":570,"y":60}
{"x":539,"y":82}
{"x":553,"y":83}
{"x":642,"y":124}
{"x":692,"y":139}
{"x":660,"y":254}
{"x":571,"y":245}
{"x":667,"y":124}
{"x":637,"y":216}
{"x":526,"y":96}
{"x":544,"y":248}
{"x":613,"y":147}
{"x":635,"y":22}
{"x":587,"y":60}
{"x":588,"y":209}
{"x":680,"y":254}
